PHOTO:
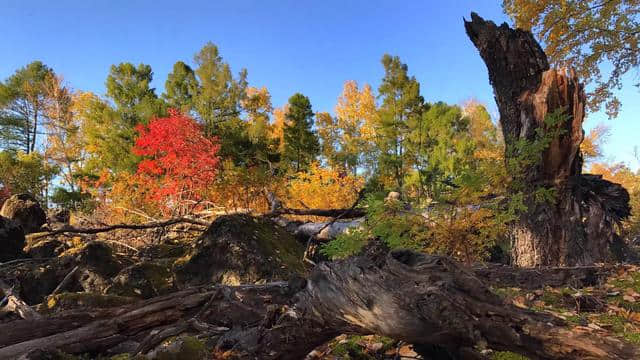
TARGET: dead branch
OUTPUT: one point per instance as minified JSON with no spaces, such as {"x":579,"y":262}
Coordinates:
{"x":149,"y":225}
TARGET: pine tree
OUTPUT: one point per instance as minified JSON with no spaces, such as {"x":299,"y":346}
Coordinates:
{"x":400,"y":111}
{"x":301,"y":145}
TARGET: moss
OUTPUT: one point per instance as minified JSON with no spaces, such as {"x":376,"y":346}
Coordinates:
{"x":350,"y":348}
{"x":620,"y":326}
{"x":506,"y":292}
{"x":190,"y":348}
{"x":146,"y":279}
{"x":73,"y":300}
{"x":279,"y":244}
{"x":241,"y":248}
{"x":507,"y":355}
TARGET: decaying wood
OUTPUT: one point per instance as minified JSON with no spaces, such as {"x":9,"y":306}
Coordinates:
{"x":97,"y":230}
{"x":15,"y":304}
{"x":526,"y":91}
{"x":412,"y":297}
{"x":537,"y":278}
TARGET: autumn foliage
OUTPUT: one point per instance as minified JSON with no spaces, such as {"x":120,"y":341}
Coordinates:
{"x":179,"y":161}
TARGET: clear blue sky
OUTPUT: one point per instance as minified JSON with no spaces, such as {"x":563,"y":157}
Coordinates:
{"x":286,"y":45}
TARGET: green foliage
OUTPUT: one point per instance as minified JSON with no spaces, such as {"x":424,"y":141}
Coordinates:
{"x":301,"y":145}
{"x":22,"y":106}
{"x":507,"y":355}
{"x":72,"y":200}
{"x":129,"y":88}
{"x":26,"y":173}
{"x":217,"y":101}
{"x":109,"y":139}
{"x":181,"y":87}
{"x":399,"y":114}
{"x":346,"y":244}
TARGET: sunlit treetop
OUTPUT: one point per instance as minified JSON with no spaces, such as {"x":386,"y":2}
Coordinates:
{"x":588,"y":35}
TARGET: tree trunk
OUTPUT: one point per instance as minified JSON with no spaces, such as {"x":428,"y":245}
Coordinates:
{"x":421,"y":299}
{"x":578,"y":226}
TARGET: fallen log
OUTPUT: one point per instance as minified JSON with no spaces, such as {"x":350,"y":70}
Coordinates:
{"x":342,"y":213}
{"x":412,"y":297}
{"x":97,"y":230}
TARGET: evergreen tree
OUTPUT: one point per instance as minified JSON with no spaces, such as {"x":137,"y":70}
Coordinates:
{"x":301,"y":145}
{"x":399,"y":115}
{"x":22,"y":106}
{"x":130,"y":89}
{"x":181,"y":87}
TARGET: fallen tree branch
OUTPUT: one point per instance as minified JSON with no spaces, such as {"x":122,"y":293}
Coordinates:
{"x":66,"y":280}
{"x":342,"y":213}
{"x":149,"y":225}
{"x":416,"y":298}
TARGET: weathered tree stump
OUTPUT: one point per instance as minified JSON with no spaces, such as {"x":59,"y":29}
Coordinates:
{"x":578,"y":227}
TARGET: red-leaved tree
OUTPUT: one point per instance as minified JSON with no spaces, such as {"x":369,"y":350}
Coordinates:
{"x":179,"y":163}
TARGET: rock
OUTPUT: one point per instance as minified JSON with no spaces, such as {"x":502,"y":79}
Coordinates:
{"x":392,"y":196}
{"x":11,"y":240}
{"x":45,"y":249}
{"x":68,"y":301}
{"x":241,"y":249}
{"x":143,"y":280}
{"x":26,"y":211}
{"x":163,"y":251}
{"x":62,"y":216}
{"x":37,"y":279}
{"x":99,"y":257}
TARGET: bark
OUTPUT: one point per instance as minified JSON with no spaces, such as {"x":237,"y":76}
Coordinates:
{"x":424,"y":300}
{"x":576,"y":228}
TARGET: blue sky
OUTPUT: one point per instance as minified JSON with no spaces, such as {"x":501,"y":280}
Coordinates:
{"x":288,"y":46}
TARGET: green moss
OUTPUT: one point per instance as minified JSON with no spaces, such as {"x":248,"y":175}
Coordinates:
{"x":73,"y":300}
{"x":350,"y":349}
{"x":278,"y":244}
{"x":630,"y":282}
{"x":144,"y":280}
{"x":620,"y":326}
{"x":506,"y":292}
{"x":190,"y":348}
{"x":507,"y":355}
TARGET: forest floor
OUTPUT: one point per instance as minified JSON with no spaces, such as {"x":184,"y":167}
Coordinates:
{"x":612,"y":307}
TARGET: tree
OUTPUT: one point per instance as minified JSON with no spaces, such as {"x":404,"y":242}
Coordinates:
{"x":22,"y":103}
{"x":351,"y":133}
{"x":108,"y":137}
{"x":442,"y":148}
{"x":565,"y":217}
{"x":591,"y":146}
{"x":401,"y":105}
{"x":181,"y":87}
{"x":180,"y":162}
{"x":301,"y":145}
{"x":219,"y":96}
{"x":26,"y":173}
{"x":587,"y":35}
{"x":130,"y":89}
{"x":64,"y":142}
